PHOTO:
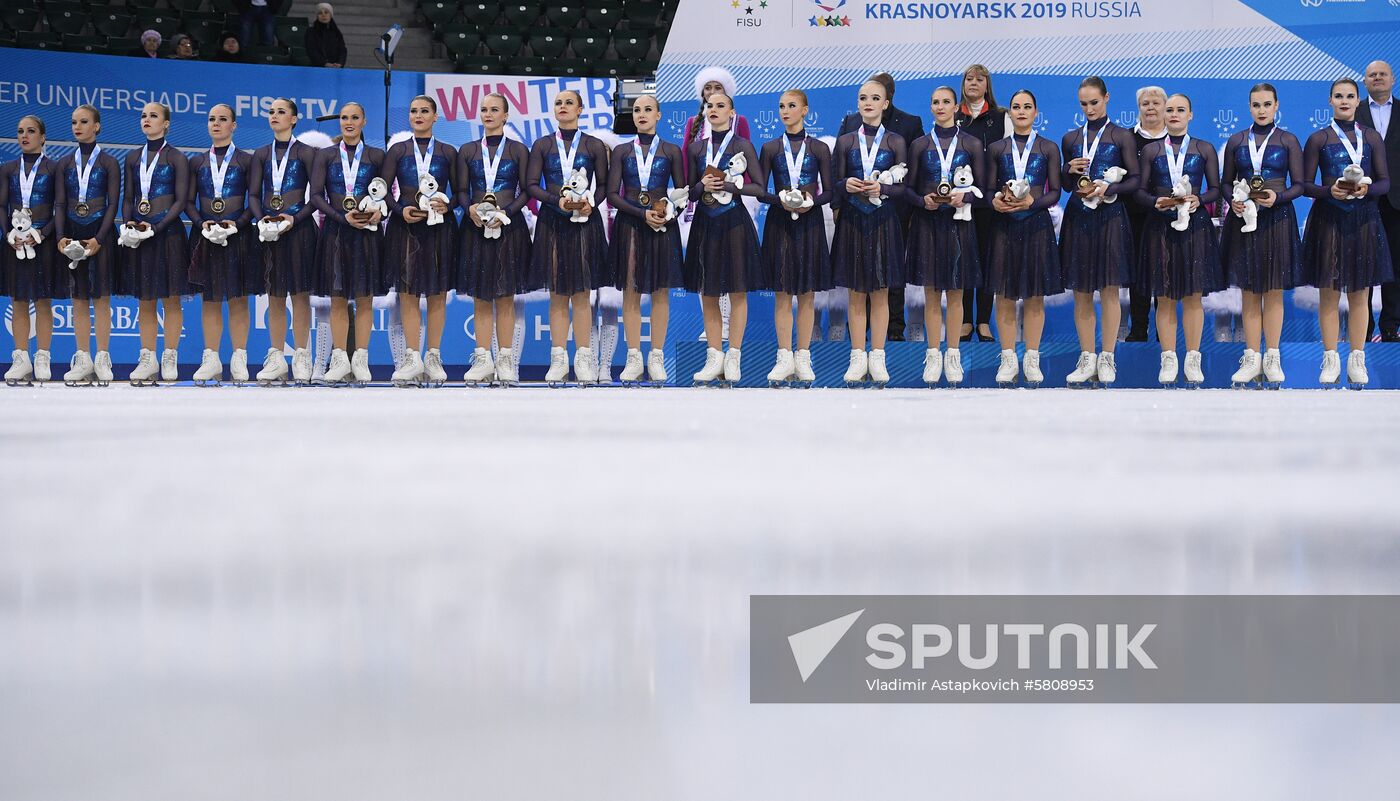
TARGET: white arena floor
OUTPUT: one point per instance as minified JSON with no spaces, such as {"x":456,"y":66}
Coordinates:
{"x":237,"y":594}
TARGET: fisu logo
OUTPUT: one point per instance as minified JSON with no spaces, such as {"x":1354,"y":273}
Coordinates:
{"x":1317,"y":3}
{"x":1126,"y":119}
{"x":1040,"y":123}
{"x":767,"y":124}
{"x":1079,"y":120}
{"x":1225,"y":123}
{"x":677,"y":123}
{"x":1320,"y":117}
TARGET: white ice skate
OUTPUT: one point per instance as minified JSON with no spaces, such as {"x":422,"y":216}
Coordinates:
{"x":146,"y":369}
{"x":238,"y":367}
{"x":1166,"y":375}
{"x":1273,"y":368}
{"x":879,"y":376}
{"x":586,"y":367}
{"x":558,"y":367}
{"x":713,"y":369}
{"x":274,"y":369}
{"x":170,"y":365}
{"x":858,"y":369}
{"x":21,"y":372}
{"x":1331,"y":369}
{"x":1108,"y":369}
{"x":1356,"y":369}
{"x":952,"y":367}
{"x":301,"y":367}
{"x":731,"y":367}
{"x":1008,"y":370}
{"x":656,"y":367}
{"x":1250,"y":372}
{"x":1191,"y":371}
{"x":43,"y":367}
{"x":633,"y":370}
{"x":410,"y":373}
{"x":102,"y":366}
{"x":433,"y":373}
{"x":507,"y":374}
{"x":1030,"y":368}
{"x":359,"y":368}
{"x":338,"y":371}
{"x":783,"y":369}
{"x":802,"y":370}
{"x":1085,"y":372}
{"x":80,"y":372}
{"x":933,"y":367}
{"x":483,"y":369}
{"x":211,"y":370}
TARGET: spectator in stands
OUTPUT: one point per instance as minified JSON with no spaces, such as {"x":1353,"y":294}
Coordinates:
{"x":259,"y":16}
{"x":184,"y":47}
{"x":150,"y":45}
{"x":324,"y":45}
{"x":230,"y":49}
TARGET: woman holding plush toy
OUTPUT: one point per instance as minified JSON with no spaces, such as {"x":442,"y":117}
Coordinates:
{"x":643,"y":259}
{"x":1259,"y":245}
{"x":722,"y":255}
{"x":1344,"y":245}
{"x":347,"y":189}
{"x":420,"y":239}
{"x":494,"y":252}
{"x":947,"y":169}
{"x":1178,"y":253}
{"x":277,"y":195}
{"x":570,"y":252}
{"x":867,"y":252}
{"x":155,"y":256}
{"x":795,"y":256}
{"x":1096,"y":239}
{"x":1022,"y":261}
{"x":226,"y":265}
{"x":28,"y":188}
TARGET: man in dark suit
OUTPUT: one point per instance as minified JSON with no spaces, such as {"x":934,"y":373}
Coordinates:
{"x":909,"y":127}
{"x":1376,"y":113}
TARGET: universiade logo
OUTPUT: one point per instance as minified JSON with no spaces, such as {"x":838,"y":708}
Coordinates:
{"x":1116,"y":646}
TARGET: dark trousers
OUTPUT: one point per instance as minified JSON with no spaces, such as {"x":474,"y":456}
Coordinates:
{"x":1390,"y":290}
{"x":1139,"y":287}
{"x":260,"y":19}
{"x":977,"y":303}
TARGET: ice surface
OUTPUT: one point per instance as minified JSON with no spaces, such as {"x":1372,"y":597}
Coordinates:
{"x":534,"y":594}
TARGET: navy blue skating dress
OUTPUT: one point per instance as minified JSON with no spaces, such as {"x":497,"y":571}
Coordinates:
{"x":1344,"y":245}
{"x":490,"y":269}
{"x":1096,"y":245}
{"x":96,"y":276}
{"x":567,"y":257}
{"x":234,"y":269}
{"x":289,"y":264}
{"x":159,"y":266}
{"x":867,"y":252}
{"x":943,"y":253}
{"x":639,"y":258}
{"x":722,"y":254}
{"x":37,"y":278}
{"x":1180,"y":263}
{"x":1021,"y":258}
{"x":795,"y":255}
{"x":1270,"y":257}
{"x":348,"y":258}
{"x":421,"y":257}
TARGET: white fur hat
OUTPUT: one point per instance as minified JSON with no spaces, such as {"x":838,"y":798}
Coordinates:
{"x":316,"y":139}
{"x":724,"y":76}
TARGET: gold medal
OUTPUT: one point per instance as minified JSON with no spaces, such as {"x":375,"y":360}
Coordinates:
{"x":348,"y":203}
{"x":1084,"y":181}
{"x":144,"y":207}
{"x":944,"y":189}
{"x":275,"y":203}
{"x":217,"y":205}
{"x":1256,"y":184}
{"x":645,"y":199}
{"x":490,"y":197}
{"x":82,"y":209}
{"x":708,"y":199}
{"x":563,"y":191}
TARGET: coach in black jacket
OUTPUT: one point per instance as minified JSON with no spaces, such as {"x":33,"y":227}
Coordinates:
{"x":909,"y":127}
{"x":1378,"y":113}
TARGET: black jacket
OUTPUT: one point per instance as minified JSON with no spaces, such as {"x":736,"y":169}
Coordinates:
{"x":909,"y":126}
{"x":1392,"y":141}
{"x":325,"y":45}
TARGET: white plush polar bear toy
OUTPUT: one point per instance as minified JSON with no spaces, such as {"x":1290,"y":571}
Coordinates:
{"x":888,"y":178}
{"x":219,"y":232}
{"x":1354,"y":176}
{"x":488,"y":211}
{"x":272,"y":228}
{"x":427,"y":193}
{"x":675,"y":202}
{"x":733,"y":174}
{"x":22,"y":229}
{"x":1182,"y":188}
{"x":1112,"y":175}
{"x":963,"y":185}
{"x":75,"y":252}
{"x":133,"y":233}
{"x":374,"y":199}
{"x":794,"y":199}
{"x":576,"y":195}
{"x":1239,"y":193}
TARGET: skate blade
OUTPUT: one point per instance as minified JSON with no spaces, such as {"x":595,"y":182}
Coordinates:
{"x":879,"y":384}
{"x":243,"y":383}
{"x":103,"y":383}
{"x":1272,"y":385}
{"x":206,"y":382}
{"x":411,"y":383}
{"x":1355,"y":385}
{"x":1032,"y":385}
{"x":1006,"y":384}
{"x":856,"y":384}
{"x":1193,"y":384}
{"x":272,"y":382}
{"x":17,"y":382}
{"x":82,"y":382}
